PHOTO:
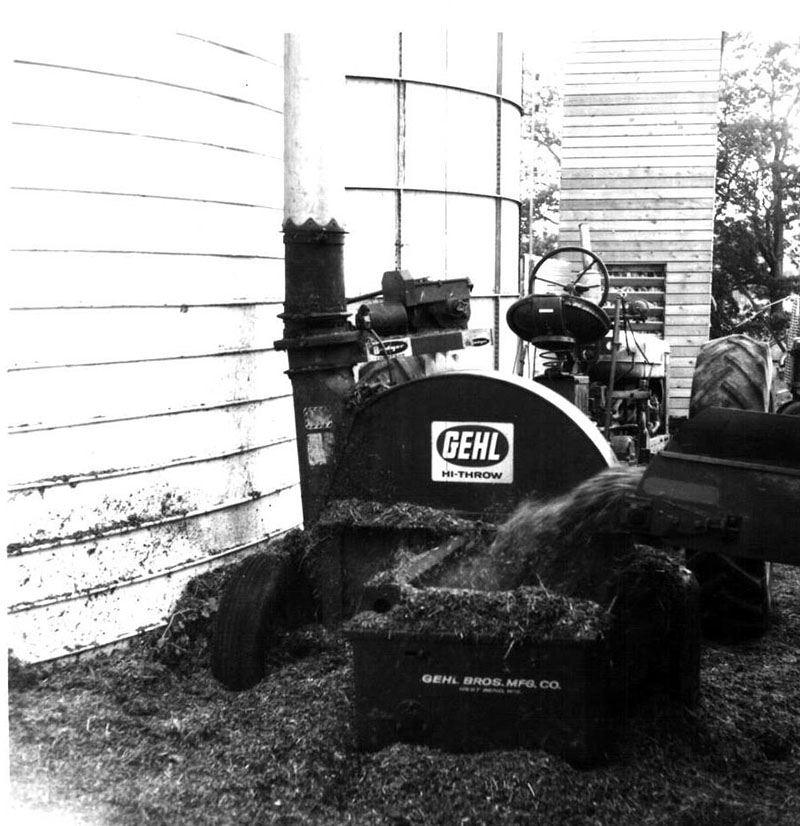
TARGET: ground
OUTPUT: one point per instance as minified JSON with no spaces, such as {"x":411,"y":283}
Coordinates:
{"x":132,"y":738}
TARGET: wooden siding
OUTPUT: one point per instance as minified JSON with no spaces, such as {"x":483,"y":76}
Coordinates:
{"x":638,"y":166}
{"x":151,"y":428}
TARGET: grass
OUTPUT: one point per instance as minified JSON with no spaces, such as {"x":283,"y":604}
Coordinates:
{"x":135,"y":737}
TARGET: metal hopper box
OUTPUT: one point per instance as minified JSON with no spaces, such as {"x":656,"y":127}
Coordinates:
{"x":472,"y":695}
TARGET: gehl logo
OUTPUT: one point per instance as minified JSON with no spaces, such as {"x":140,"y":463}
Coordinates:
{"x":476,"y":452}
{"x":472,"y":446}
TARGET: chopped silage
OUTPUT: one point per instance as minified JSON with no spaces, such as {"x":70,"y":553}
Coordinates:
{"x":123,"y":739}
{"x":520,"y":616}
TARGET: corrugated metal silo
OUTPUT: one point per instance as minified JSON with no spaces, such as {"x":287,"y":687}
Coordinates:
{"x":432,"y":174}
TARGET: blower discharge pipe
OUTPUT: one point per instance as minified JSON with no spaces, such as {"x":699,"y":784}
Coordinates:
{"x":321,"y":346}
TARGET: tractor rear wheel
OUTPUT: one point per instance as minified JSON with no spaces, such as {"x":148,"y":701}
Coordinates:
{"x":266,"y":594}
{"x":735,"y":593}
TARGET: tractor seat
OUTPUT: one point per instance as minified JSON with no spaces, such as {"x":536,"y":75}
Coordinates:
{"x":557,"y":322}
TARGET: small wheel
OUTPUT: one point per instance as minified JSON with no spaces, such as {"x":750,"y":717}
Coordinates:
{"x":577,"y":270}
{"x":267,"y":593}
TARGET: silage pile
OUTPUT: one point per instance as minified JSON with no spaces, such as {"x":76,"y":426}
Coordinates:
{"x":121,"y":740}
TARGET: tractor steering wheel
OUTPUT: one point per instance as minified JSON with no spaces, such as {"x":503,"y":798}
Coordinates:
{"x":591,"y":262}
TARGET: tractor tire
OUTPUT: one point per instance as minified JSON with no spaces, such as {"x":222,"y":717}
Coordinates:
{"x":735,"y":371}
{"x":266,"y":594}
{"x":735,"y":593}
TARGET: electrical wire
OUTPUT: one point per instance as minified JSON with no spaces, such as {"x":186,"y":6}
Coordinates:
{"x":384,"y":353}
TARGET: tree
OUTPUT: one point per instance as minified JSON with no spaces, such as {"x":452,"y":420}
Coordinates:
{"x":541,"y":164}
{"x":758,"y":187}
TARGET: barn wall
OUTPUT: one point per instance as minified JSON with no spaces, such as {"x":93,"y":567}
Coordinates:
{"x":151,"y":427}
{"x":638,"y":166}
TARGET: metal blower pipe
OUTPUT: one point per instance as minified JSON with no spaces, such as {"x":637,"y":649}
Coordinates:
{"x":321,"y":345}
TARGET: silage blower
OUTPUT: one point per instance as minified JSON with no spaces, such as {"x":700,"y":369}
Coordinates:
{"x":425,"y":460}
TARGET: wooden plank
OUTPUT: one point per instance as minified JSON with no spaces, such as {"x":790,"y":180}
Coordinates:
{"x":129,"y":445}
{"x":634,"y":86}
{"x":641,"y":162}
{"x":682,"y":361}
{"x":621,"y":45}
{"x":643,"y":205}
{"x":68,"y":337}
{"x":107,"y":512}
{"x":655,"y":233}
{"x":688,"y":333}
{"x":572,"y":133}
{"x":619,"y":200}
{"x":632,"y":152}
{"x":676,"y":67}
{"x":646,"y":121}
{"x":640,"y":282}
{"x":682,"y":100}
{"x":680,"y":372}
{"x":696,"y":176}
{"x":636,"y":146}
{"x":656,"y":251}
{"x":126,"y":608}
{"x":669,"y":142}
{"x":623,"y":218}
{"x":98,"y":279}
{"x":696,"y":291}
{"x":98,"y":221}
{"x":688,"y":301}
{"x":683,"y":382}
{"x":681,"y":276}
{"x":664,"y":110}
{"x":649,"y":196}
{"x":648,"y":78}
{"x":688,"y":351}
{"x":680,"y":270}
{"x":673,"y":56}
{"x":141,"y":388}
{"x":686,"y":318}
{"x":629,"y":225}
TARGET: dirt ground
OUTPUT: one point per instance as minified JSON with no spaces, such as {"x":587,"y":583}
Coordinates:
{"x":129,"y":738}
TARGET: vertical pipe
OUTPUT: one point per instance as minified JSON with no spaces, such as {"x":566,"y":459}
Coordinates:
{"x":613,"y":371}
{"x":321,"y":346}
{"x":498,"y":204}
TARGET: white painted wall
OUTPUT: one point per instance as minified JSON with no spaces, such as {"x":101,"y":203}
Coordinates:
{"x":151,"y":429}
